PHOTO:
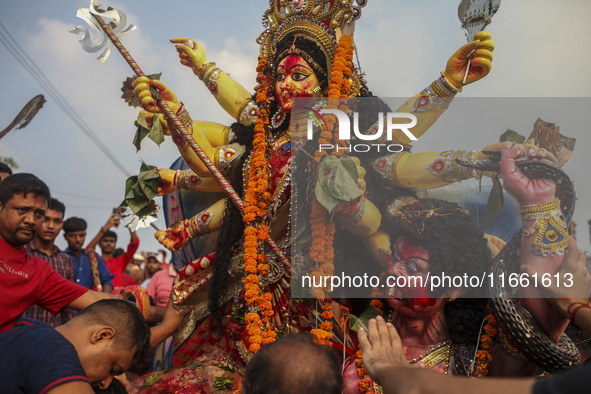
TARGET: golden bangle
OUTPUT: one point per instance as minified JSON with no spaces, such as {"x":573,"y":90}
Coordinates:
{"x":540,"y":209}
{"x":448,"y":85}
{"x":183,"y":115}
{"x":457,"y":169}
{"x":353,"y":217}
{"x":203,"y":69}
{"x":208,"y":74}
{"x":393,"y":175}
{"x":437,"y":90}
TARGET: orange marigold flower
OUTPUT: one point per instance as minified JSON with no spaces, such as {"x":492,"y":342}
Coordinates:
{"x":377,"y":304}
{"x":364,"y":385}
{"x":250,"y":317}
{"x":327,"y":315}
{"x":251,"y":279}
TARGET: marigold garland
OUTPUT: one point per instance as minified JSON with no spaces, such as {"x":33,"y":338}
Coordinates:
{"x":322,"y":229}
{"x":484,"y":354}
{"x":256,"y":203}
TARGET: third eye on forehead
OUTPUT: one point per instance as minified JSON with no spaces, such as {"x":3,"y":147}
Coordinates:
{"x":293,"y":61}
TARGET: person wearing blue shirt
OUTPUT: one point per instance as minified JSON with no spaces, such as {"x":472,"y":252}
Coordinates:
{"x":75,"y":234}
{"x":104,"y":340}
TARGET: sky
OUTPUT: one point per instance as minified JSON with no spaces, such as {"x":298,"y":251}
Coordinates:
{"x":541,"y":52}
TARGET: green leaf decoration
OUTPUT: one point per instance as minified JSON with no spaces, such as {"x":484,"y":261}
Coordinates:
{"x":238,"y":313}
{"x":141,"y":189}
{"x":155,"y":93}
{"x":362,"y":321}
{"x":336,"y":181}
{"x":495,"y":203}
{"x":142,"y":131}
{"x":155,"y":76}
{"x":156,"y":133}
{"x":195,"y":364}
{"x":512,"y":136}
{"x":153,"y":379}
{"x":222,"y":383}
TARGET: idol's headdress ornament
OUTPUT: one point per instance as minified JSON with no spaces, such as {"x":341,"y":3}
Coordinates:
{"x":316,"y":20}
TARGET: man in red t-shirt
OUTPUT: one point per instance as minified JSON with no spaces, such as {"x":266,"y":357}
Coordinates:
{"x":117,"y":265}
{"x":27,"y":280}
{"x":107,"y":241}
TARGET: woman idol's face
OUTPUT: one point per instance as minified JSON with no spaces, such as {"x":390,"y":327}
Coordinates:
{"x":409,"y":270}
{"x":295,"y":78}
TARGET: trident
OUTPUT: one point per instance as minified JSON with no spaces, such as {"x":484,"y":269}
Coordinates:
{"x":102,"y":31}
{"x":475,"y":15}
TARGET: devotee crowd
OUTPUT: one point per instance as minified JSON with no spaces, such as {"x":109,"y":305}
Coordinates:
{"x":53,"y":285}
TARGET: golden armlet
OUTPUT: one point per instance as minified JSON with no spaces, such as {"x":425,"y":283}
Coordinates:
{"x":447,"y":168}
{"x":199,"y":224}
{"x":183,"y":115}
{"x":186,"y":179}
{"x":436,"y":96}
{"x":386,"y":166}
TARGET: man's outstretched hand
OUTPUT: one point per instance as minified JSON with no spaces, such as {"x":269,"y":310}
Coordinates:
{"x":382,"y":348}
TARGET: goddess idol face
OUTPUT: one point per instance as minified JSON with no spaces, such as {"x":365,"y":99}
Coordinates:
{"x":295,"y":78}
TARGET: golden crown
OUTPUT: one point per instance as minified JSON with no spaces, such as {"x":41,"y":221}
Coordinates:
{"x":314,"y":19}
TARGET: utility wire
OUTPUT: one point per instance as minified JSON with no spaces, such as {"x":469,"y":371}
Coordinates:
{"x":111,"y":200}
{"x":107,"y":207}
{"x":29,"y":65}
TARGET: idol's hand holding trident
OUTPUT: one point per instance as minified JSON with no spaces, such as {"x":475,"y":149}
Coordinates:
{"x":163,"y":100}
{"x":475,"y":15}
